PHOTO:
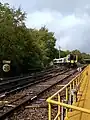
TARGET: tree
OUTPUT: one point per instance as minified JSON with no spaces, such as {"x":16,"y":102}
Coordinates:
{"x":45,"y":42}
{"x":78,"y":53}
{"x":26,"y":48}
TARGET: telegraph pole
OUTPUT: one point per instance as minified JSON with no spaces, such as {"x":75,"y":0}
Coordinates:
{"x":59,"y":51}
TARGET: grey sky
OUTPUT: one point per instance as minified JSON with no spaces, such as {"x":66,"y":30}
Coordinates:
{"x":69,"y":19}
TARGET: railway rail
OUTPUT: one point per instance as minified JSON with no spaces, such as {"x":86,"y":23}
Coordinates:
{"x":30,"y":74}
{"x":33,"y":82}
{"x":19,"y":100}
{"x":38,"y":109}
{"x":3,"y":80}
{"x":9,"y":85}
{"x":24,"y":75}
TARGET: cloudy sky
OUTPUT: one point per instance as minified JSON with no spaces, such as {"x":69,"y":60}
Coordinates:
{"x":69,"y":19}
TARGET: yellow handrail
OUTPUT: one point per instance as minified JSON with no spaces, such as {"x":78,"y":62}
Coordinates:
{"x":69,"y":106}
{"x":65,"y":86}
{"x":75,"y":82}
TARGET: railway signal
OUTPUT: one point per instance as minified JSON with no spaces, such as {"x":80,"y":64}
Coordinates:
{"x":6,"y":66}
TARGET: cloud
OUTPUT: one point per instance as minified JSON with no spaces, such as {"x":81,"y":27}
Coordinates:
{"x":64,"y":6}
{"x":72,"y":31}
{"x":69,"y":19}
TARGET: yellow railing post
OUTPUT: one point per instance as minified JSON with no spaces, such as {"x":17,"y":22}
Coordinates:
{"x":70,"y":87}
{"x":59,"y":107}
{"x":66,"y":93}
{"x":76,"y":82}
{"x":73,"y":93}
{"x":70,"y":96}
{"x":66,"y":117}
{"x":78,"y":78}
{"x":73,"y":85}
{"x":49,"y":111}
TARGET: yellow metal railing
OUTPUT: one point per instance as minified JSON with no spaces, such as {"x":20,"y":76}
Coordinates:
{"x":70,"y":91}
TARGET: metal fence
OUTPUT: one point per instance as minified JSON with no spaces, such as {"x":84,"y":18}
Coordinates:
{"x":65,"y":103}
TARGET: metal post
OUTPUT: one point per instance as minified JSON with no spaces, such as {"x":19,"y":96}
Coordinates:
{"x":73,"y":84}
{"x":49,"y":111}
{"x":59,"y":107}
{"x":70,"y":94}
{"x":66,"y":116}
{"x":59,"y":51}
{"x":62,"y":111}
{"x":76,"y":82}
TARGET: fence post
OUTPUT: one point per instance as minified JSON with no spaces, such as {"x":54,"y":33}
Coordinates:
{"x":62,"y":111}
{"x":59,"y":107}
{"x":70,"y":96}
{"x":66,"y":116}
{"x":49,"y":111}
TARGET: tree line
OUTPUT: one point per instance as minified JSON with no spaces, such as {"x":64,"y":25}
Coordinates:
{"x":26,"y":48}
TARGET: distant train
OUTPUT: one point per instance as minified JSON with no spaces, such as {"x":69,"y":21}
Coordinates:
{"x":70,"y":60}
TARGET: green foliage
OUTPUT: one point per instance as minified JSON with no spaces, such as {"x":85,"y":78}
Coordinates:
{"x":26,"y":48}
{"x":78,"y":53}
{"x":62,"y":53}
{"x":81,"y":56}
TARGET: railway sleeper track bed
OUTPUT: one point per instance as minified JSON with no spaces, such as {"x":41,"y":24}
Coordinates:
{"x":18,"y":83}
{"x":38,"y":109}
{"x":33,"y":82}
{"x":34,"y":75}
{"x":2,"y":80}
{"x":13,"y":103}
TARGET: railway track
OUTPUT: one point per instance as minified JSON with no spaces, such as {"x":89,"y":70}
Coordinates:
{"x":38,"y":109}
{"x":9,"y":85}
{"x":2,"y":80}
{"x":33,"y":82}
{"x":19,"y":100}
{"x":13,"y":85}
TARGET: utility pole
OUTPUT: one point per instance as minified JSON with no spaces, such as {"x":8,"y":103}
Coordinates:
{"x":59,"y":51}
